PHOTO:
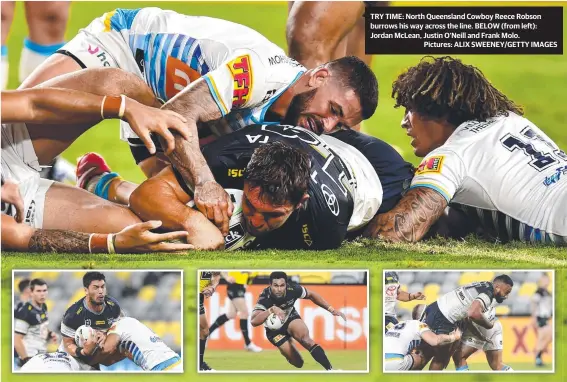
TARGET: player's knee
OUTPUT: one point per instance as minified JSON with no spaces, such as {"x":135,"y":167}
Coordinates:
{"x":230,"y":315}
{"x":204,"y":333}
{"x":51,"y":22}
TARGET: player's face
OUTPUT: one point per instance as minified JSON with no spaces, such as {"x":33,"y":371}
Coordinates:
{"x":544,"y":282}
{"x":261,"y":217}
{"x":39,"y":294}
{"x":426,"y":134}
{"x":96,"y":292}
{"x":325,"y":109}
{"x":501,"y":292}
{"x":278,"y":287}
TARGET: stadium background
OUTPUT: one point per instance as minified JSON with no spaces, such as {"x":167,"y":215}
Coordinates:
{"x":344,"y":342}
{"x":514,"y":314}
{"x":537,"y":82}
{"x":153,"y":298}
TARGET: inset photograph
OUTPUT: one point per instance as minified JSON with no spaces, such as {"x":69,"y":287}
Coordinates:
{"x":283,"y":320}
{"x":470,"y":320}
{"x":97,"y":320}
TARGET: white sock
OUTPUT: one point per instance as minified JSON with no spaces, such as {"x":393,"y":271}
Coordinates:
{"x":33,"y":55}
{"x":5,"y":68}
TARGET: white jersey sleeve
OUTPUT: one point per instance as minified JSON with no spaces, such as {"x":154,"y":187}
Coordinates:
{"x":405,"y":336}
{"x":442,"y":170}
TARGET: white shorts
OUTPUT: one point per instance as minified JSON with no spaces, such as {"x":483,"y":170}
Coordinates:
{"x":398,"y":363}
{"x":20,"y":164}
{"x":97,"y":46}
{"x":494,"y":336}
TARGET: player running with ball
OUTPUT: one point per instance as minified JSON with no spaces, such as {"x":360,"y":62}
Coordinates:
{"x":279,"y":299}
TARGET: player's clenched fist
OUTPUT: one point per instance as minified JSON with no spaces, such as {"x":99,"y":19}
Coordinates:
{"x":214,"y":202}
{"x":145,"y":120}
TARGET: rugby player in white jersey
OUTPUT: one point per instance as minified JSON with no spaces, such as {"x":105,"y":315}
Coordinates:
{"x":54,"y":362}
{"x":475,"y":337}
{"x":402,"y":339}
{"x":482,"y":157}
{"x":393,"y":294}
{"x":453,"y":309}
{"x":54,"y":214}
{"x":233,"y":73}
{"x":139,"y":343}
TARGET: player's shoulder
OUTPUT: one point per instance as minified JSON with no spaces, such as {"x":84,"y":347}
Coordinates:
{"x":24,"y":310}
{"x":76,"y":308}
{"x":112,"y":303}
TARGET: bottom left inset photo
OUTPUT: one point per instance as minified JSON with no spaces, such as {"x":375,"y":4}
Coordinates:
{"x":97,"y":321}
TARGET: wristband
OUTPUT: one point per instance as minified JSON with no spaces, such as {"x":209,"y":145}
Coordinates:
{"x":98,"y":243}
{"x":112,"y":107}
{"x":110,"y":243}
{"x":331,"y":309}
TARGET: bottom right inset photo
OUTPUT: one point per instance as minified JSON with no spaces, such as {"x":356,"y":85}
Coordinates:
{"x":469,"y":320}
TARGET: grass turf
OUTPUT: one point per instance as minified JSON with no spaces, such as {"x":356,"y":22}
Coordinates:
{"x":537,"y":82}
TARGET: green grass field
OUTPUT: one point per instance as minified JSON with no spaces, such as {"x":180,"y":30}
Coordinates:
{"x":272,"y":360}
{"x":537,"y":82}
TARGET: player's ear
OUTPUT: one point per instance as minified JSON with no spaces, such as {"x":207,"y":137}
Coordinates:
{"x":303,"y":201}
{"x":318,"y":76}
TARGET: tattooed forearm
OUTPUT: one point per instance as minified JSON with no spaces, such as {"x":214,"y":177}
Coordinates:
{"x":59,"y":241}
{"x":412,"y":217}
{"x":197,"y":105}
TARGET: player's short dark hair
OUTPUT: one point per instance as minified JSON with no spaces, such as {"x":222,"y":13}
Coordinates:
{"x":37,"y":282}
{"x":354,"y":74}
{"x":504,"y":279}
{"x":281,"y":171}
{"x":278,"y":275}
{"x":445,"y":88}
{"x":89,"y":277}
{"x":23,"y":284}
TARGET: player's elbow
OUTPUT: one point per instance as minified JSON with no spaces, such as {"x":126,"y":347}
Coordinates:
{"x":305,"y":46}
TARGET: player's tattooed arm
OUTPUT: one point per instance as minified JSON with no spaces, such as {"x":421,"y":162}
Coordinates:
{"x":412,"y":217}
{"x":475,"y":314}
{"x":196,"y":104}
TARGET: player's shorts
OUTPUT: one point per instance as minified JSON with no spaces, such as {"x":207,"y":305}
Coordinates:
{"x":494,"y":336}
{"x":542,"y":321}
{"x":437,"y":322}
{"x":281,"y":336}
{"x":390,"y":322}
{"x":235,"y":291}
{"x":397,"y":362}
{"x":20,"y":164}
{"x":201,"y":304}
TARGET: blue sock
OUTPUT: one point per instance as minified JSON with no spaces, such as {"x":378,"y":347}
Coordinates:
{"x":44,"y":50}
{"x":4,"y":51}
{"x":505,"y":368}
{"x":103,"y":185}
{"x":463,"y":368}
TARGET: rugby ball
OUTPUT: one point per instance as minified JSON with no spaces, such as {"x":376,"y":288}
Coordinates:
{"x":273,"y":322}
{"x":237,"y":237}
{"x":82,"y":334}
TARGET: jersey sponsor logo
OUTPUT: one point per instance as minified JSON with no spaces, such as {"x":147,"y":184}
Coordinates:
{"x":88,"y":322}
{"x":268,"y":95}
{"x":279,"y":337}
{"x":139,"y":57}
{"x":255,"y":138}
{"x":109,"y":302}
{"x":241,"y":70}
{"x":281,"y":59}
{"x":92,"y":50}
{"x":331,"y":199}
{"x":552,"y":179}
{"x":30,"y":215}
{"x":177,"y":76}
{"x":100,"y":322}
{"x":235,"y":172}
{"x":306,"y":237}
{"x":155,"y":339}
{"x":235,"y":233}
{"x":430,"y":165}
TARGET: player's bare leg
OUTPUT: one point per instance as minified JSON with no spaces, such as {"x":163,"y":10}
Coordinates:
{"x":544,"y":338}
{"x":298,"y":330}
{"x":70,"y":208}
{"x":291,"y":354}
{"x":47,"y":21}
{"x":314,"y":29}
{"x":461,"y":355}
{"x":441,"y":358}
{"x":203,"y":336}
{"x":7,"y":12}
{"x":494,"y":359}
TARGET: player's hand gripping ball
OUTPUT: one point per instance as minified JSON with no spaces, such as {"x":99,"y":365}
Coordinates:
{"x":82,"y":334}
{"x":273,"y":322}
